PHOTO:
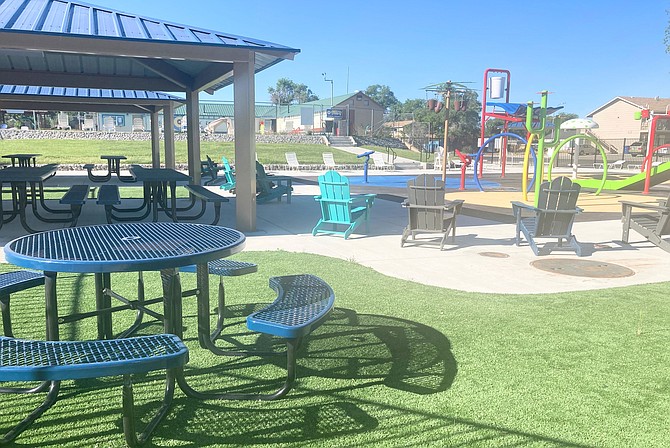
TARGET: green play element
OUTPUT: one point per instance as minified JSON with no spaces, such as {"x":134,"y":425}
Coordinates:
{"x":592,"y":139}
{"x":659,"y":174}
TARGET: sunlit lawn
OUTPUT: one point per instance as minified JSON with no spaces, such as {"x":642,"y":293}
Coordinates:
{"x":89,"y":151}
{"x":399,"y":364}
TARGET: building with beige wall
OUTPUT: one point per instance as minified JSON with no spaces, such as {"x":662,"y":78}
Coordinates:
{"x":617,"y":123}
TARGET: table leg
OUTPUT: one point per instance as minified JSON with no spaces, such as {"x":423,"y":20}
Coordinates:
{"x":51,"y":306}
{"x":103,"y":302}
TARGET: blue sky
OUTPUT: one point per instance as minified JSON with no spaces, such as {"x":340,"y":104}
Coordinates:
{"x":584,"y":52}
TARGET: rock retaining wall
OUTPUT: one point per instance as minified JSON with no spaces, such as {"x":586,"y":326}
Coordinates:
{"x":16,"y":134}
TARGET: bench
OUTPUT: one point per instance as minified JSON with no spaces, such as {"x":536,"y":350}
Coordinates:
{"x":11,"y":282}
{"x":75,"y":197}
{"x":108,"y":195}
{"x":54,"y":361}
{"x":206,"y":195}
{"x":303,"y":303}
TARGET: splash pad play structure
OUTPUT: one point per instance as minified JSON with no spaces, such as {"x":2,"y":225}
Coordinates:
{"x":534,"y":120}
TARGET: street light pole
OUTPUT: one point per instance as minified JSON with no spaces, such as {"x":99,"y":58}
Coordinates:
{"x":331,"y":88}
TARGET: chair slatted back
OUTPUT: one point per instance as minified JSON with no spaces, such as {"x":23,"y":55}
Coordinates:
{"x":227,"y":171}
{"x":263,"y":181}
{"x":335,"y":196}
{"x":557,"y":195}
{"x":428,"y":191}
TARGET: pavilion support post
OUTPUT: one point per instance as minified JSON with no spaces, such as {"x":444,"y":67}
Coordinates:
{"x":155,"y":140}
{"x":168,"y":135}
{"x":193,"y":135}
{"x":245,"y":144}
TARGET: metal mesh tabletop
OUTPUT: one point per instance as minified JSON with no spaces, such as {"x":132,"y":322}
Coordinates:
{"x":124,"y":247}
{"x":28,"y":173}
{"x":158,"y":174}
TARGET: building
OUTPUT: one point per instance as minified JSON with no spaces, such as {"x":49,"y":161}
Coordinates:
{"x":619,"y":127}
{"x":351,"y":114}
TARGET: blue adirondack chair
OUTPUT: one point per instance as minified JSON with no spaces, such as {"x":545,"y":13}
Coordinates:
{"x":271,"y":187}
{"x":341,"y":212}
{"x":228,"y":175}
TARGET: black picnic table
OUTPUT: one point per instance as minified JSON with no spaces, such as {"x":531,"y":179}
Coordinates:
{"x":160,"y":193}
{"x":27,"y":187}
{"x":113,"y":167}
{"x":22,"y":160}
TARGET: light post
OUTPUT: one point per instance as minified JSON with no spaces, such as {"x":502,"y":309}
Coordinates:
{"x":331,"y":87}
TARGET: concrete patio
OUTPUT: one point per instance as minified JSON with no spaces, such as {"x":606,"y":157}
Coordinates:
{"x":483,"y":257}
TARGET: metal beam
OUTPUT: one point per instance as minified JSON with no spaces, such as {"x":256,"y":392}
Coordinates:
{"x":46,"y":78}
{"x":167,"y":71}
{"x":212,"y":75}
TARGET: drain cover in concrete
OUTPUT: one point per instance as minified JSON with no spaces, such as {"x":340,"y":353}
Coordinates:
{"x":494,"y":254}
{"x":583,"y":268}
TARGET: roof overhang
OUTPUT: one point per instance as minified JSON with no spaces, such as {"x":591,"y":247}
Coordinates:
{"x":84,"y":100}
{"x":73,"y":44}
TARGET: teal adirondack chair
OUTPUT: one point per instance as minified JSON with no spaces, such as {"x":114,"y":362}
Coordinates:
{"x":341,"y":213}
{"x":228,"y":175}
{"x":271,"y":187}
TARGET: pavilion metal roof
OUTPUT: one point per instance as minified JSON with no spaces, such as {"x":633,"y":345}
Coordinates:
{"x":213,"y":110}
{"x":81,"y":41}
{"x":82,"y":99}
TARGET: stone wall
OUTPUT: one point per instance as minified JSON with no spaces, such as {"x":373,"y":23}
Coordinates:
{"x":15,"y":134}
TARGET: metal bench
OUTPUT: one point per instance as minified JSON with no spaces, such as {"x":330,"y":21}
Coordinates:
{"x":205,"y":196}
{"x":108,"y":195}
{"x":303,"y":303}
{"x":53,"y":361}
{"x":75,"y":197}
{"x":11,"y":282}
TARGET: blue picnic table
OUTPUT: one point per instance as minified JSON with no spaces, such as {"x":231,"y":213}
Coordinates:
{"x":129,"y":247}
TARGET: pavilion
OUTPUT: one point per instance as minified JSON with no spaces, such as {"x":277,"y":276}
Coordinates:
{"x":74,"y":44}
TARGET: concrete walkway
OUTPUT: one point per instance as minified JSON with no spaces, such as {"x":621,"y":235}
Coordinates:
{"x":483,"y":257}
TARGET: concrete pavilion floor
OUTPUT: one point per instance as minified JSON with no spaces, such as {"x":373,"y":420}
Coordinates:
{"x":483,"y":257}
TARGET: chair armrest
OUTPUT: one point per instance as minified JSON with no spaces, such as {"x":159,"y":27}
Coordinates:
{"x":454,"y":205}
{"x":518,"y":207}
{"x":428,"y":207}
{"x":631,"y":205}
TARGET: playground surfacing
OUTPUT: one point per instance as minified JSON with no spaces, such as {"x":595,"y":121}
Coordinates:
{"x":400,"y":181}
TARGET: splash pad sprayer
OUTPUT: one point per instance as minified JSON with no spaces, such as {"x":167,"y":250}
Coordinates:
{"x":366,"y":162}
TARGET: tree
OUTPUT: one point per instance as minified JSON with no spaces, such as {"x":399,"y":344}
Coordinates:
{"x":288,"y":92}
{"x":382,"y":95}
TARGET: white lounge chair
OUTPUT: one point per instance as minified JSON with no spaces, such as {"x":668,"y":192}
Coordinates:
{"x":329,"y":161}
{"x":138,"y":124}
{"x":292,"y":161}
{"x":108,"y":125}
{"x":63,"y":121}
{"x":89,"y":125}
{"x":379,"y":162}
{"x":619,"y":164}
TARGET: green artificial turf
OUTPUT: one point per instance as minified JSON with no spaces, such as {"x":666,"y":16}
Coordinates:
{"x":398,"y":364}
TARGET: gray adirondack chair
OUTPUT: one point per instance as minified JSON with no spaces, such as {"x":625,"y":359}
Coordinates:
{"x":552,"y":218}
{"x":653,"y":224}
{"x":428,"y":211}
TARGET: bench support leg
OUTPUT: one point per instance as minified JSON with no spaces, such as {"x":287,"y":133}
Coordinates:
{"x":129,"y":411}
{"x":6,"y":317}
{"x":49,"y":401}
